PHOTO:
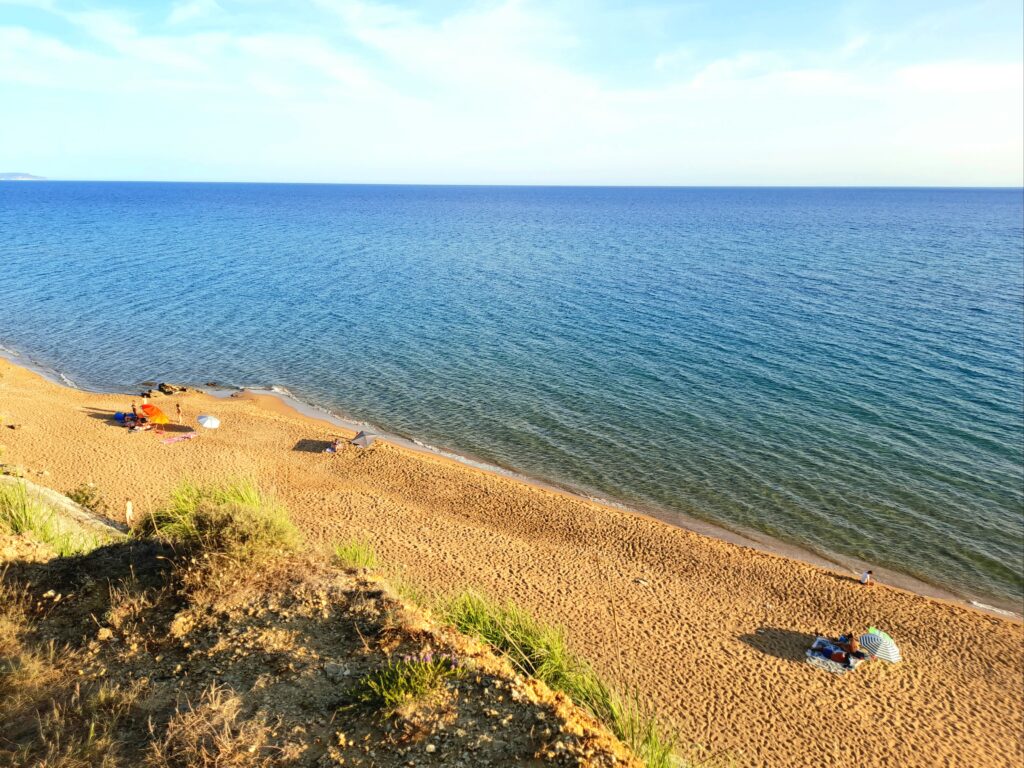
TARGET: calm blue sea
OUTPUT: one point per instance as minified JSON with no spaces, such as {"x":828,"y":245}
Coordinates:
{"x":838,"y":368}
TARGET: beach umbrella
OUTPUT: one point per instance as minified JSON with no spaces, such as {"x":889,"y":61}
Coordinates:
{"x":362,"y":440}
{"x":879,"y":644}
{"x":210,"y":422}
{"x":154,"y":414}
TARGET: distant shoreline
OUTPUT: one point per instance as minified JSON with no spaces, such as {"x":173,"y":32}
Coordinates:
{"x":21,"y":177}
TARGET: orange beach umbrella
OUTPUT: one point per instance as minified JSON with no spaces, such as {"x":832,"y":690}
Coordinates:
{"x":154,"y":414}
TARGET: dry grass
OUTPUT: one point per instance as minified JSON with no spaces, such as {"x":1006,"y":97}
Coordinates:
{"x":128,"y":600}
{"x":213,"y":733}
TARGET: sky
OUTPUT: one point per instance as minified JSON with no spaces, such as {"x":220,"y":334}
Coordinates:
{"x":792,"y":92}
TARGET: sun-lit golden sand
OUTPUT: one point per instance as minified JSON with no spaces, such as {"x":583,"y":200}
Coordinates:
{"x":711,"y":633}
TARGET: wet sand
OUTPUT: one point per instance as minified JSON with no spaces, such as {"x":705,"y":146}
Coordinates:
{"x":709,"y":632}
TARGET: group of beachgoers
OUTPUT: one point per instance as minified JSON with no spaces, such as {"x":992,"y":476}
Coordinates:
{"x":138,"y":421}
{"x":844,"y":650}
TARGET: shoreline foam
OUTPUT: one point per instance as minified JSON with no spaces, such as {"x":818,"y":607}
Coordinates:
{"x":839,"y":564}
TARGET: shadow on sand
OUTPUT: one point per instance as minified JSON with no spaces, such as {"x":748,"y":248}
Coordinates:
{"x":781,"y":643}
{"x":312,"y":446}
{"x":108,"y":416}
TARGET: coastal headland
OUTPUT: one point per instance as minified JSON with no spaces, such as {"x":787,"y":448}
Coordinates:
{"x":708,"y":633}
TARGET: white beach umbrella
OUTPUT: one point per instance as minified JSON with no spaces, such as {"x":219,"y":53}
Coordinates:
{"x":362,"y":440}
{"x":210,"y":422}
{"x":880,"y":645}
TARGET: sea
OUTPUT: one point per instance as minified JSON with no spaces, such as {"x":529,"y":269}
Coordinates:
{"x":838,"y":369}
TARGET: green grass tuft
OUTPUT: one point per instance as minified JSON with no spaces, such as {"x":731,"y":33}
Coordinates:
{"x":356,"y":554}
{"x":404,"y":681}
{"x":542,"y":652}
{"x":21,"y":514}
{"x":235,"y":520}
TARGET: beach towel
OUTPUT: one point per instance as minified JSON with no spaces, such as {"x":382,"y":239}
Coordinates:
{"x":826,"y":664}
{"x":178,"y":439}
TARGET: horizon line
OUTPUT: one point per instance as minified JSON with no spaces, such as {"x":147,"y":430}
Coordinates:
{"x":522,"y":185}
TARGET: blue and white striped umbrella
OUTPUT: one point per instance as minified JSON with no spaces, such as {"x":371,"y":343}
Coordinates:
{"x":880,"y":645}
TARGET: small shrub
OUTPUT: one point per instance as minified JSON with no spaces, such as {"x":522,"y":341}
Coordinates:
{"x":404,"y":681}
{"x":86,"y":495}
{"x":356,"y":554}
{"x":233,"y":520}
{"x":21,"y":514}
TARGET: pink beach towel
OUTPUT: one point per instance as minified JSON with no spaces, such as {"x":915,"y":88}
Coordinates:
{"x":178,"y":439}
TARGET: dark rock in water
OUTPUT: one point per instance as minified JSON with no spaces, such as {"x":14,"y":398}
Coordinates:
{"x":212,"y":384}
{"x":148,"y":383}
{"x":170,"y":389}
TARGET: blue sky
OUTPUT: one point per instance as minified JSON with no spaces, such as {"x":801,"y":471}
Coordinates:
{"x":560,"y":92}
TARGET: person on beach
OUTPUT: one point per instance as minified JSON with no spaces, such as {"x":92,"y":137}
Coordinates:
{"x":849,"y":643}
{"x":334,"y":446}
{"x":135,"y":413}
{"x":177,"y":413}
{"x":867,"y":578}
{"x":129,"y":512}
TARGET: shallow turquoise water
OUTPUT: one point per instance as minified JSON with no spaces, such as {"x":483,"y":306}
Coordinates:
{"x":841,"y":369}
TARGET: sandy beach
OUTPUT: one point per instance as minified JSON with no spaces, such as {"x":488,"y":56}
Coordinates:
{"x":710,"y":633}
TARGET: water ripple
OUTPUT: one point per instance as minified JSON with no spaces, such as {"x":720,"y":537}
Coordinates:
{"x":839,"y":368}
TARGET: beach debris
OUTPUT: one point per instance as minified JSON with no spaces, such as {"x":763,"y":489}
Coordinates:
{"x":208,"y":422}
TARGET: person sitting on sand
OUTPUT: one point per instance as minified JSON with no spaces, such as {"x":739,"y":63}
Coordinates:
{"x":334,"y":446}
{"x":867,"y":578}
{"x":849,"y":643}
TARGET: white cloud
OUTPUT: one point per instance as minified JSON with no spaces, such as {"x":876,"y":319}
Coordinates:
{"x":962,"y":77}
{"x":670,"y":60}
{"x":487,"y":95}
{"x":854,"y":44}
{"x":190,"y":10}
